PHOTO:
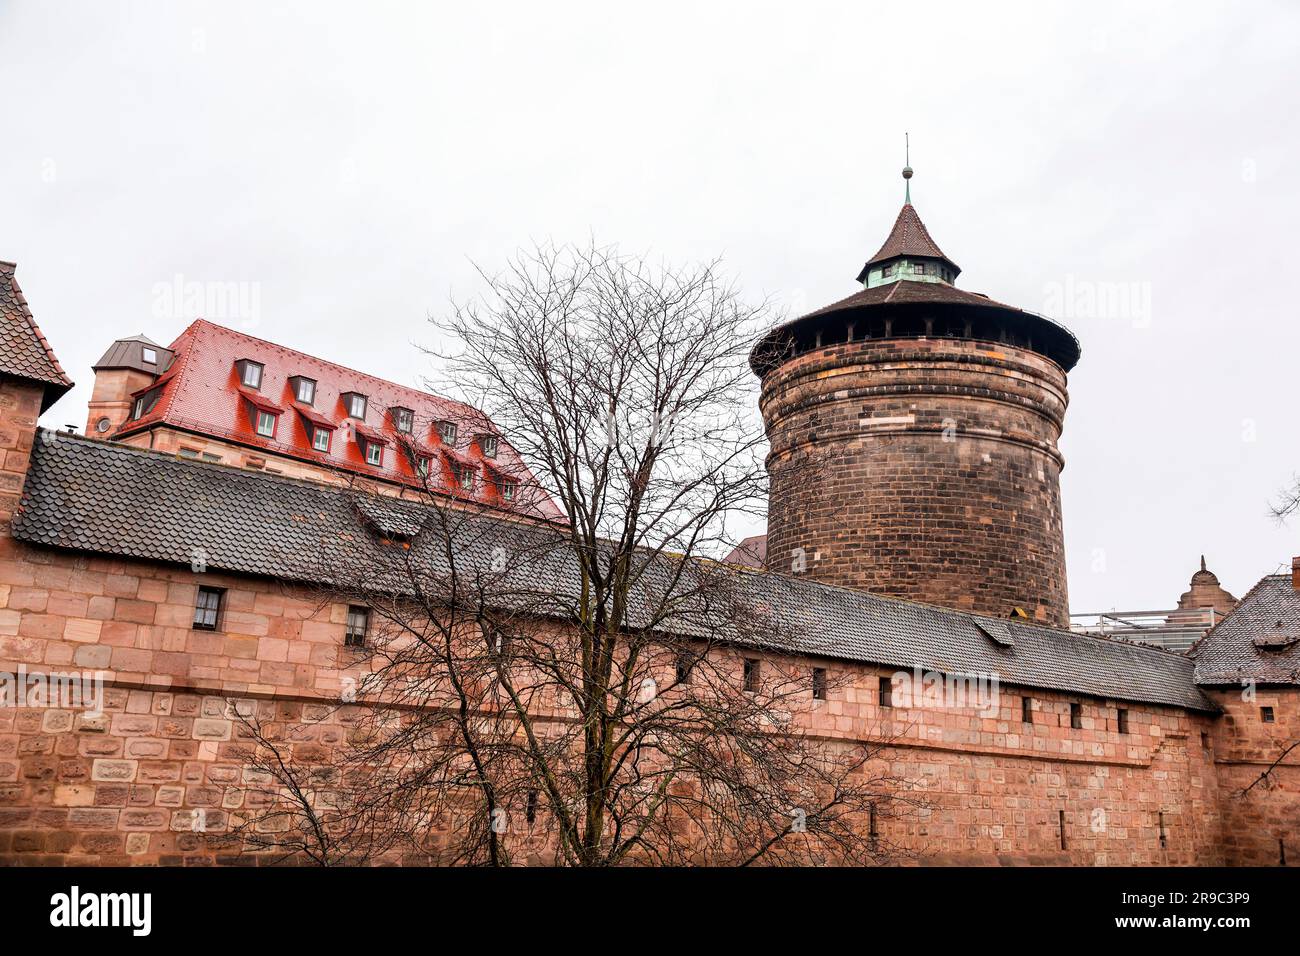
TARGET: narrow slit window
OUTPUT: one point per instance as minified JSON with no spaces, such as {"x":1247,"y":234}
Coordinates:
{"x":886,"y":692}
{"x":819,"y":683}
{"x":683,"y":666}
{"x":1121,"y":720}
{"x":1026,"y":710}
{"x":1076,"y":717}
{"x":751,"y":675}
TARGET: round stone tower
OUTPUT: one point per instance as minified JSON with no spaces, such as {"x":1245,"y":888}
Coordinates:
{"x":913,"y":430}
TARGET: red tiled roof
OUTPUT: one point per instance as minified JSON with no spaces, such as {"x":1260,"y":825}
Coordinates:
{"x":258,"y":400}
{"x":909,"y":237}
{"x":24,"y":351}
{"x":313,"y":416}
{"x":203,"y":394}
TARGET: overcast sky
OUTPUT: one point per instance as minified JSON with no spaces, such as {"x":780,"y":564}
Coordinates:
{"x":346,"y":162}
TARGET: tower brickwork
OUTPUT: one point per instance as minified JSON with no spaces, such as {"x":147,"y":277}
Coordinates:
{"x":913,"y":430}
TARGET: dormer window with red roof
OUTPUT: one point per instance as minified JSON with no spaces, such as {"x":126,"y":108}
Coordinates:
{"x":447,"y":432}
{"x":422,"y":466}
{"x":355,"y":403}
{"x":403,"y":419}
{"x":507,"y":489}
{"x":266,"y":423}
{"x":488,"y":445}
{"x":465,"y":478}
{"x":374,"y":453}
{"x":320,"y":438}
{"x":304,"y":389}
{"x":250,"y":373}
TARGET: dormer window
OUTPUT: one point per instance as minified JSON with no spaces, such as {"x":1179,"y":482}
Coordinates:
{"x":465,"y":478}
{"x":488,"y":445}
{"x":447,"y":432}
{"x":250,"y":373}
{"x":320,"y":438}
{"x":508,"y":489}
{"x":265,"y":424}
{"x":422,"y":466}
{"x":403,"y":419}
{"x":148,"y":356}
{"x":304,"y":390}
{"x":355,"y":403}
{"x":373,"y":451}
{"x":145,"y":403}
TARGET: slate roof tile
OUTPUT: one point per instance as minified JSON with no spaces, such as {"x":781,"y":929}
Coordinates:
{"x":96,"y":496}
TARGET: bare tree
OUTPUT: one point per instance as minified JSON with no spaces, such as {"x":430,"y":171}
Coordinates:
{"x":591,"y":686}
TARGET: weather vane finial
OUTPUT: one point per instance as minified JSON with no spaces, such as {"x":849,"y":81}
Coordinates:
{"x":907,"y":169}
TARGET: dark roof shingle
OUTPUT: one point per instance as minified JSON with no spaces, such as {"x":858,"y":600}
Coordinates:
{"x":1229,"y":654}
{"x":24,"y":351}
{"x":102,"y":497}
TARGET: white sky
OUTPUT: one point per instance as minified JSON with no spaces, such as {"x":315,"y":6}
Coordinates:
{"x":348,"y":160}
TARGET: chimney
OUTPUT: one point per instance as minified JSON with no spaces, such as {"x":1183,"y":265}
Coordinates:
{"x":1295,"y":573}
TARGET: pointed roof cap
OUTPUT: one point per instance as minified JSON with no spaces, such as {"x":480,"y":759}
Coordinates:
{"x":908,"y":238}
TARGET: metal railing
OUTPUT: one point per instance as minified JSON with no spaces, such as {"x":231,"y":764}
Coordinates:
{"x":1177,"y":629}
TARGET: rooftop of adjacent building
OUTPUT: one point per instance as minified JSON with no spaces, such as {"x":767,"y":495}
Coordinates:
{"x":24,"y":350}
{"x":226,"y":384}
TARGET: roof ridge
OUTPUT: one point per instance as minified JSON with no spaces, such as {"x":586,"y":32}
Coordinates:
{"x":208,"y":324}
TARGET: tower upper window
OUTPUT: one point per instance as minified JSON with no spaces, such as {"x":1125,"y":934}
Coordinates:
{"x":149,"y":356}
{"x":886,"y":272}
{"x":918,"y":268}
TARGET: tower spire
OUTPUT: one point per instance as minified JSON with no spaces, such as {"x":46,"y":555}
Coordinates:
{"x":907,"y":170}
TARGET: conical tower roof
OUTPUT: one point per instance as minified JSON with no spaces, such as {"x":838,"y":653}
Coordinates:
{"x":909,"y":239}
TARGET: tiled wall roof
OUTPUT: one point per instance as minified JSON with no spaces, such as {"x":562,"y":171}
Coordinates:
{"x":101,"y":497}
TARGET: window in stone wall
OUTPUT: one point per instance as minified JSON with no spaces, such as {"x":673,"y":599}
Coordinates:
{"x":751,"y":675}
{"x":886,"y":692}
{"x":1076,"y":717}
{"x":207,"y":609}
{"x":1121,"y":720}
{"x":684,"y":665}
{"x":1026,"y":710}
{"x":358,"y":625}
{"x":819,"y":683}
{"x":1266,"y":714}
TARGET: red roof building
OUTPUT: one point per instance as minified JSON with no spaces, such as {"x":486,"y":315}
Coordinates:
{"x":222,"y":395}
